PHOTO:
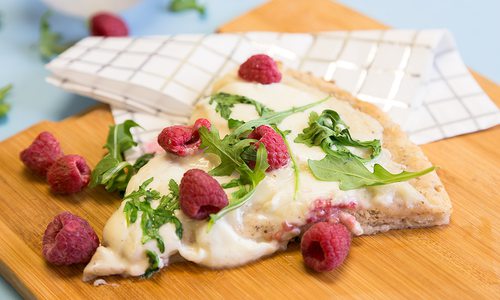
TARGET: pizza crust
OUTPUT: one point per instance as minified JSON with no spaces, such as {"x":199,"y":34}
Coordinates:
{"x":438,"y":208}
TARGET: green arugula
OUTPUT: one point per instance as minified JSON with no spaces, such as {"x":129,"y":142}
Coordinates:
{"x":352,"y":173}
{"x":273,"y":118}
{"x":113,"y":171}
{"x":331,"y":133}
{"x":142,"y":161}
{"x":50,"y":43}
{"x":154,"y":264}
{"x":232,"y":150}
{"x":225,"y":102}
{"x":181,"y":5}
{"x":4,"y":107}
{"x":229,"y":150}
{"x":152,"y":219}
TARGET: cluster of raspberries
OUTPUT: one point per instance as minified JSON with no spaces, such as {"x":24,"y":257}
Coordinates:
{"x":66,"y":174}
{"x":200,"y":194}
{"x":184,"y":140}
{"x":68,"y":239}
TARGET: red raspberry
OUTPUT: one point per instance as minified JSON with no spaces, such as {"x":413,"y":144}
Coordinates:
{"x":260,"y":68}
{"x":69,"y":174}
{"x":325,"y":246}
{"x":200,"y":195}
{"x":42,"y":153}
{"x":277,"y":152}
{"x":182,"y":140}
{"x":106,"y":24}
{"x":68,"y":240}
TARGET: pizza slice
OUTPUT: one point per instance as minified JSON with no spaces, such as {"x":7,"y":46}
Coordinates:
{"x":287,"y":151}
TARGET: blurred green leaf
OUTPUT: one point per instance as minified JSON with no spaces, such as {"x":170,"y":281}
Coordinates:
{"x":4,"y":107}
{"x":50,"y":43}
{"x":181,"y":5}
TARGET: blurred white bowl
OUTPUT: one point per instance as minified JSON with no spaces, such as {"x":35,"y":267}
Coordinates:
{"x":86,"y":8}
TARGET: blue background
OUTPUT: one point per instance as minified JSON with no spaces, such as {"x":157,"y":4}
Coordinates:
{"x":475,"y":24}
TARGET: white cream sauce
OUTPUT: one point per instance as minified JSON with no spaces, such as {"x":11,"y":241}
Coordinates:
{"x":255,"y":229}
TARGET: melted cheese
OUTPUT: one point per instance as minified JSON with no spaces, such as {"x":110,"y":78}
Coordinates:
{"x":257,"y":228}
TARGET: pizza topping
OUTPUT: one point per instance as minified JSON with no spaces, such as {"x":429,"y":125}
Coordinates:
{"x":201,"y":195}
{"x":152,"y":219}
{"x":331,"y":133}
{"x":277,"y":152}
{"x":260,"y":68}
{"x":182,"y":140}
{"x":106,"y":24}
{"x":69,"y":174}
{"x":274,"y":118}
{"x":154,"y":264}
{"x":42,"y":153}
{"x":225,"y":103}
{"x":69,"y":240}
{"x":352,"y":173}
{"x":230,"y":150}
{"x":325,"y":246}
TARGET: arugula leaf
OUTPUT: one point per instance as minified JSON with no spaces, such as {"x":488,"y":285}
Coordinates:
{"x":228,"y":150}
{"x":142,"y":161}
{"x":113,"y":171}
{"x":154,"y":264}
{"x":4,"y":107}
{"x":232,"y":151}
{"x":225,"y":102}
{"x":273,"y":118}
{"x":245,"y":192}
{"x":181,"y":5}
{"x":152,"y":219}
{"x":50,"y":43}
{"x":352,"y":174}
{"x":332,"y":134}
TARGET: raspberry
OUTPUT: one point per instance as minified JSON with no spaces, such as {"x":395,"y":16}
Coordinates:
{"x":69,"y":174}
{"x":277,"y":152}
{"x":68,"y":240}
{"x":106,"y":24}
{"x":260,"y":68}
{"x":42,"y":153}
{"x":325,"y":246}
{"x":182,"y":140}
{"x":200,"y":195}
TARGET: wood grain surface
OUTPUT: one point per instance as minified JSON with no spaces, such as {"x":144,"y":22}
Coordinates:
{"x":459,"y":260}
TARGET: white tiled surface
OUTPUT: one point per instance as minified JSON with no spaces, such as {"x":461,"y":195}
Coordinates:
{"x":418,"y":77}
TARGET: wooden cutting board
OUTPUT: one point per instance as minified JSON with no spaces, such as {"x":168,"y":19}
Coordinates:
{"x":459,"y":260}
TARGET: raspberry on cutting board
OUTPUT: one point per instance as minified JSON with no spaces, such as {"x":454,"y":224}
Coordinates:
{"x":325,"y":246}
{"x":68,"y":175}
{"x":69,"y":240}
{"x":42,"y":153}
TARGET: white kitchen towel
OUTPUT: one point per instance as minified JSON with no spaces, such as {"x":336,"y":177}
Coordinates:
{"x":418,"y":77}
